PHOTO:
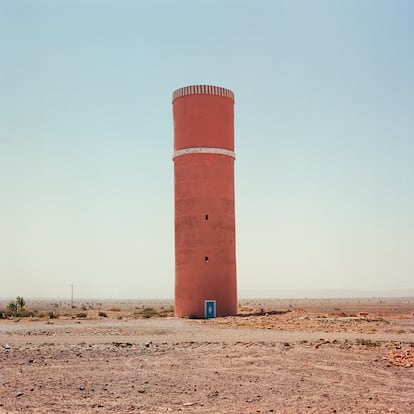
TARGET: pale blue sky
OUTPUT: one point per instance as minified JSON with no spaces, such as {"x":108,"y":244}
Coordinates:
{"x":324,"y":122}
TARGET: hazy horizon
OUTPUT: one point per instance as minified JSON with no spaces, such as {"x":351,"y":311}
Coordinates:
{"x":251,"y":294}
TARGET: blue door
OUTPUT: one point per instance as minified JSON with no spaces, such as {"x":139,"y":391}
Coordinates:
{"x":210,"y":308}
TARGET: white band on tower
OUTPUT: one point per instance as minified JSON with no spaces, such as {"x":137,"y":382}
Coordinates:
{"x":205,"y":150}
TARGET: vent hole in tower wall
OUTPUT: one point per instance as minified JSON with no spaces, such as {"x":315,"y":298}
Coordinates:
{"x":206,"y":216}
{"x":206,"y":259}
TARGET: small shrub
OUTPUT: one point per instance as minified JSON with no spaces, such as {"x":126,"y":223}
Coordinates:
{"x":146,"y":313}
{"x":165,"y":313}
{"x":52,"y":315}
{"x":20,"y":302}
{"x":81,"y":315}
{"x":24,"y":313}
{"x":114,"y":309}
{"x":367,"y":342}
{"x":103,"y":314}
{"x":12,"y":308}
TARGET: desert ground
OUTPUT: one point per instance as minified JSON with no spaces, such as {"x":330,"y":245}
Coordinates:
{"x":276,"y":356}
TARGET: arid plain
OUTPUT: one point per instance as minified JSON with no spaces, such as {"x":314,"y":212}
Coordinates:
{"x":276,"y":356}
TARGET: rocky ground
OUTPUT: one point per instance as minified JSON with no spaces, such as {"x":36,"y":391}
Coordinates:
{"x":292,"y":360}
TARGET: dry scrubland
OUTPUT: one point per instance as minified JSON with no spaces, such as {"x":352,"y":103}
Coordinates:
{"x":280,"y":356}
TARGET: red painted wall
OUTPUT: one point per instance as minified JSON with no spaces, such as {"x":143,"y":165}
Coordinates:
{"x":204,"y":185}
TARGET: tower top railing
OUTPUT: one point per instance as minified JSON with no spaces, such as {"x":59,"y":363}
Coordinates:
{"x":202,"y":90}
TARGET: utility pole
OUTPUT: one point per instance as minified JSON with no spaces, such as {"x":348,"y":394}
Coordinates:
{"x":71,"y":296}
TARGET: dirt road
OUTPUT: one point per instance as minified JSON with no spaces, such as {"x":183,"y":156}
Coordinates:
{"x":230,"y":365}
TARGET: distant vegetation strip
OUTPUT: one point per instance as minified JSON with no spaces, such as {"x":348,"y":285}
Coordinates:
{"x":17,"y":309}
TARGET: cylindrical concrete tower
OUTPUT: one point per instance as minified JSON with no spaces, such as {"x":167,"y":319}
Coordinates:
{"x":205,"y":250}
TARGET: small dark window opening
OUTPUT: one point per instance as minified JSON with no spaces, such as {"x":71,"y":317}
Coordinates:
{"x":206,"y":259}
{"x":206,"y":216}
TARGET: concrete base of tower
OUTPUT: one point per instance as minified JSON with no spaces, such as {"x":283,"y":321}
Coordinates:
{"x":205,"y":291}
{"x":208,"y":307}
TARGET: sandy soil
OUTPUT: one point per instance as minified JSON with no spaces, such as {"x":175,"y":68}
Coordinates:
{"x":320,"y":358}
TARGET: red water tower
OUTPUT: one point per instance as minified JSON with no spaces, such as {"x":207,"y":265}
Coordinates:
{"x":205,"y":248}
